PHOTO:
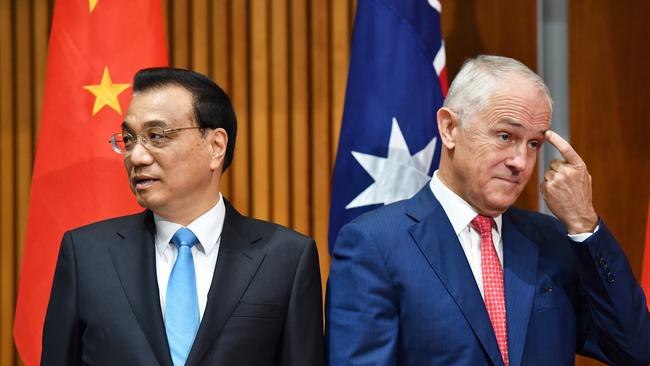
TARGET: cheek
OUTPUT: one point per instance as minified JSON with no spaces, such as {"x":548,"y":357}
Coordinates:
{"x":473,"y":151}
{"x":485,"y":150}
{"x":127,"y":166}
{"x":489,"y":161}
{"x":530,"y":165}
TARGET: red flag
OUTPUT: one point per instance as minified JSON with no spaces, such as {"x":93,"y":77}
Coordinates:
{"x":645,"y":273}
{"x":96,"y":46}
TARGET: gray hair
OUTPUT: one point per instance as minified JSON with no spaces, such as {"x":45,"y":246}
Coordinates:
{"x":479,"y":79}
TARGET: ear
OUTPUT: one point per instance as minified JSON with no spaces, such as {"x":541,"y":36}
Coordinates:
{"x":218,"y":142}
{"x":448,"y":125}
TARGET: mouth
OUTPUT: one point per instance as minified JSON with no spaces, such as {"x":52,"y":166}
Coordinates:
{"x":141,"y":182}
{"x":511,"y":181}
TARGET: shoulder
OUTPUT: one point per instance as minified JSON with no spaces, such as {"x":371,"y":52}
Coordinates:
{"x":266,"y":235}
{"x":113,"y":224}
{"x":399,"y":215}
{"x":531,"y":220}
{"x":92,"y":239}
{"x":107,"y":233}
{"x":547,"y":232}
{"x":272,"y":230}
{"x":284,"y":250}
{"x":384,"y":218}
{"x":381,"y":230}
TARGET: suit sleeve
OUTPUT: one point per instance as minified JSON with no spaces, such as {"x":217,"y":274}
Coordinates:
{"x":362,"y":317}
{"x":62,"y":331}
{"x":615,"y":320}
{"x":302,"y":341}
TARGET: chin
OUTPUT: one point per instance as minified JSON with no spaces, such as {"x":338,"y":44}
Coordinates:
{"x":500,"y":204}
{"x":142,"y":202}
{"x":149,"y":202}
{"x":492,"y":211}
{"x":502,"y":207}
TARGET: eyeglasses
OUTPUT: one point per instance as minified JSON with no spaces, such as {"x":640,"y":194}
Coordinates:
{"x":156,"y":137}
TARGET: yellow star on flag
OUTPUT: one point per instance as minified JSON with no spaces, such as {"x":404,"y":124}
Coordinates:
{"x":106,"y":93}
{"x":92,"y":4}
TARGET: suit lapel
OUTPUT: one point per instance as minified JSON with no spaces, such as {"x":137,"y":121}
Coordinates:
{"x":237,"y":263}
{"x":135,"y":262}
{"x":520,"y":261}
{"x":439,"y":243}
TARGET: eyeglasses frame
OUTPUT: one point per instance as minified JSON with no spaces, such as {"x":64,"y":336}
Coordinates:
{"x":140,"y":138}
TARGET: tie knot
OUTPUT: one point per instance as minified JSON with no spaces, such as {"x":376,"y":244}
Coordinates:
{"x":483,"y":224}
{"x":184,"y":237}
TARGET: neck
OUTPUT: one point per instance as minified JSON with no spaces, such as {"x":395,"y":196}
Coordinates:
{"x":446,"y":176}
{"x":186,"y":215}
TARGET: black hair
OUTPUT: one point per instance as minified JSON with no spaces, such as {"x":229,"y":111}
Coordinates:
{"x":212,"y":106}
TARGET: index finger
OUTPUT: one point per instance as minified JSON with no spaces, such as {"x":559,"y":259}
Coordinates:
{"x":570,"y":155}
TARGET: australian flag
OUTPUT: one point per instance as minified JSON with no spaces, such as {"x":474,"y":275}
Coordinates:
{"x":389,"y":143}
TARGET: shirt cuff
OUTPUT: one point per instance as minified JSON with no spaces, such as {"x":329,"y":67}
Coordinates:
{"x":579,"y":238}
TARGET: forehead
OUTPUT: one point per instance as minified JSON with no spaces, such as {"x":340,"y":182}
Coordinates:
{"x":519,"y":102}
{"x":169,"y":105}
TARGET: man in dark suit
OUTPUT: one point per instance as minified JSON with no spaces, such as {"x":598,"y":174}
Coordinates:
{"x":189,"y":281}
{"x":456,"y":276}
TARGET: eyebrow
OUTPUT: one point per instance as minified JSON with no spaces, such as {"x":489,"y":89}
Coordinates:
{"x":152,"y":123}
{"x":517,"y":125}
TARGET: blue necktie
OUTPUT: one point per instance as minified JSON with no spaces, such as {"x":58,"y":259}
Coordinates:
{"x":182,"y":304}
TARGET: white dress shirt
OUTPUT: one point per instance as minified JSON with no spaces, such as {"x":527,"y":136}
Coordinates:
{"x":207,"y":229}
{"x":460,"y":214}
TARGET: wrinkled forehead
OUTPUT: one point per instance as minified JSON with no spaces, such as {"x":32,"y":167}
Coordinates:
{"x":518,"y":104}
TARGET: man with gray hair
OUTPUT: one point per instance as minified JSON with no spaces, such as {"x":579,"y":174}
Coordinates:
{"x":456,"y":276}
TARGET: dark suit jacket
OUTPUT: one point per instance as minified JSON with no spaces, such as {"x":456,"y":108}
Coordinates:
{"x":264,"y":305}
{"x":401,"y":292}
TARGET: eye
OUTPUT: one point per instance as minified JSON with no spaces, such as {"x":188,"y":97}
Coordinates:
{"x":503,"y":136}
{"x":534,"y":144}
{"x":128,"y":139}
{"x":155,"y":136}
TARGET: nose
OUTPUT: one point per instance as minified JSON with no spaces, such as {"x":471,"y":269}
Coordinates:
{"x":518,"y":159}
{"x":139,"y":156}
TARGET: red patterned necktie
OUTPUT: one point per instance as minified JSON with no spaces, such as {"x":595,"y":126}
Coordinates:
{"x":493,"y":292}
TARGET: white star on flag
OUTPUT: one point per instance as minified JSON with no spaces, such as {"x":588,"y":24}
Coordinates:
{"x":398,"y":176}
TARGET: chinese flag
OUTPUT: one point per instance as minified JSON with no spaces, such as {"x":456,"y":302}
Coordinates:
{"x":645,"y":276}
{"x":96,"y":46}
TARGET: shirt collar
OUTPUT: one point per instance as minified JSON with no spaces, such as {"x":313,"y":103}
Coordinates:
{"x":459,"y":212}
{"x":206,"y":227}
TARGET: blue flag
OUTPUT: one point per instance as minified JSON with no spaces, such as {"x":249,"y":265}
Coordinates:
{"x":389,"y":143}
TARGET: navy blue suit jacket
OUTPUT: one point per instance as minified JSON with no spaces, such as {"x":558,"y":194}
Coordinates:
{"x":401,"y":292}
